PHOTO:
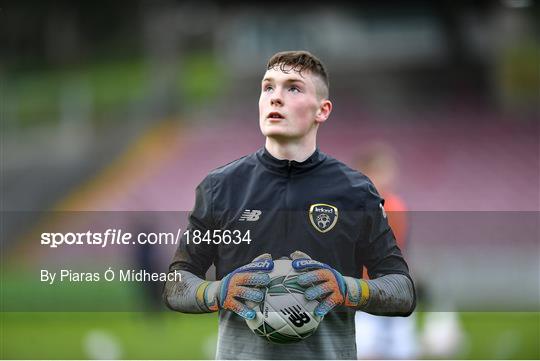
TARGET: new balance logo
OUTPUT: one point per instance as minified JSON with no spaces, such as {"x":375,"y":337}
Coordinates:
{"x":250,"y":215}
{"x":296,"y":316}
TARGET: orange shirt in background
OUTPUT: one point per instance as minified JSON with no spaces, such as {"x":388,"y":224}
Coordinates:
{"x":397,"y":218}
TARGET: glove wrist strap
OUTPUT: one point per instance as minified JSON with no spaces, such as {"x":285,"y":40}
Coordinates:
{"x":357,"y":294}
{"x":207,"y":295}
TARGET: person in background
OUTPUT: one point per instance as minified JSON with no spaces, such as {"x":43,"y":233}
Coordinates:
{"x":379,"y":337}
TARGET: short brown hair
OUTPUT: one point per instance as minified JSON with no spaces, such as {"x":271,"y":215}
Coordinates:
{"x":299,"y":60}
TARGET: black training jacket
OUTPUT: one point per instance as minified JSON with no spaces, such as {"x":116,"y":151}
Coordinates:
{"x":319,"y":206}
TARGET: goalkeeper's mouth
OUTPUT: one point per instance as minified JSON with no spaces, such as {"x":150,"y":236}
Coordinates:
{"x":275,"y":117}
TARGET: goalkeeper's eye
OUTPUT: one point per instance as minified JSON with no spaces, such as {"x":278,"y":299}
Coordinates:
{"x":294,"y":89}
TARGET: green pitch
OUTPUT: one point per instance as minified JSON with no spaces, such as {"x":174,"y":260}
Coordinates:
{"x":129,"y":335}
{"x":169,"y":335}
{"x":172,"y":335}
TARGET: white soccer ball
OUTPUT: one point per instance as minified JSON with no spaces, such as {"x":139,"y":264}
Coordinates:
{"x":284,"y":316}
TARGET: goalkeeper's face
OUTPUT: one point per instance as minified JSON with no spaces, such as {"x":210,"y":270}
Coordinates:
{"x":291,"y":105}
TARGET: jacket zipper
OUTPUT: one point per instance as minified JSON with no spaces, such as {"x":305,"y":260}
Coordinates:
{"x":287,"y":210}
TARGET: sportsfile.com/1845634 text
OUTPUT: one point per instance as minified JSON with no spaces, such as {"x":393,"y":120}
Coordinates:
{"x":120,"y":237}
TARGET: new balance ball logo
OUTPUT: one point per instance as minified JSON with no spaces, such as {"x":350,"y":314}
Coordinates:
{"x":296,"y":316}
{"x":250,"y":215}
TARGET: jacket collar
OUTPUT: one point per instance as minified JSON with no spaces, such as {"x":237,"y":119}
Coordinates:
{"x":290,"y":167}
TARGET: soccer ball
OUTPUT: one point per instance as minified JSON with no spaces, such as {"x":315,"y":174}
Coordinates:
{"x":284,"y":316}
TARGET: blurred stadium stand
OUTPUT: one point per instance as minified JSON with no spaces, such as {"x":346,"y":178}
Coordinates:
{"x":127,"y":105}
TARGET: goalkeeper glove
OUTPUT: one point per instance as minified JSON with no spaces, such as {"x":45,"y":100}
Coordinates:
{"x":238,"y":285}
{"x":327,"y":285}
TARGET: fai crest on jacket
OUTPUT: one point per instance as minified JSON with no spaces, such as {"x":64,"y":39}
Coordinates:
{"x":323,"y":216}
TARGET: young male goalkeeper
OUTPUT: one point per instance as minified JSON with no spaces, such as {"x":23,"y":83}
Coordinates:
{"x":298,"y":202}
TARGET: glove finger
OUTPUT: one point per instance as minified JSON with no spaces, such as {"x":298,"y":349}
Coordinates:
{"x":317,"y":276}
{"x":248,"y":293}
{"x":328,"y":304}
{"x":250,"y":279}
{"x":303,"y":264}
{"x":239,"y":308}
{"x":262,"y":257}
{"x":261,"y":265}
{"x":315,"y":292}
{"x":298,"y":255}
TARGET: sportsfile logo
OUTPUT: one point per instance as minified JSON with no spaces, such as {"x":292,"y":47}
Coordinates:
{"x":250,"y":215}
{"x":296,"y":316}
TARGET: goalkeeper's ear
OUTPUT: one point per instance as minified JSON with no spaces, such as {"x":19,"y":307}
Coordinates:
{"x":298,"y":255}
